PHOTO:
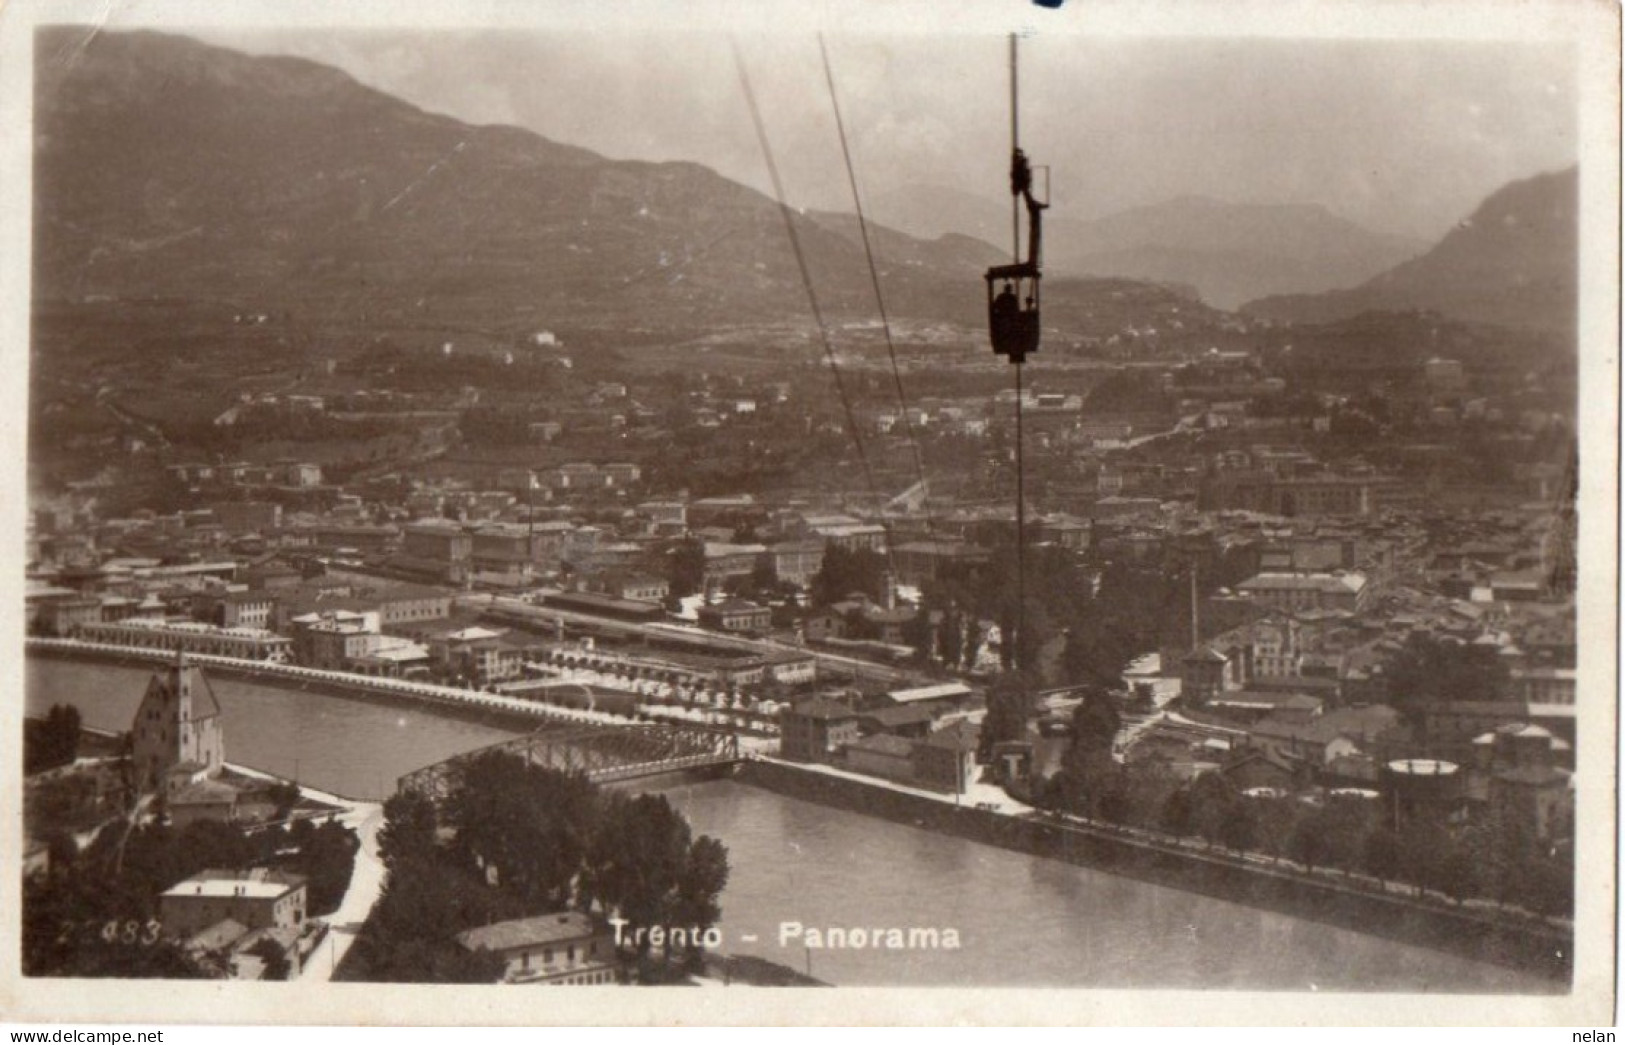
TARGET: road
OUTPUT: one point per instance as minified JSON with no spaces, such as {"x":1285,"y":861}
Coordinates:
{"x":366,"y":885}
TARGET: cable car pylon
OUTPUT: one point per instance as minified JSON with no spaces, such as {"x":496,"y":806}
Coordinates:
{"x":1013,"y":319}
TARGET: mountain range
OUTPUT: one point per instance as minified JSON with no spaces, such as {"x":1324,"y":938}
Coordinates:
{"x":1513,"y":262}
{"x":167,"y":168}
{"x":1229,"y":252}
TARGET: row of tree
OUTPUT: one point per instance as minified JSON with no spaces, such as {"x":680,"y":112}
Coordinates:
{"x":527,"y":840}
{"x":1489,"y":856}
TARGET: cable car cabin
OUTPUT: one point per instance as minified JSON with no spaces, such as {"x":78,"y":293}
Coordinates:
{"x":1012,"y":290}
{"x":1012,"y":310}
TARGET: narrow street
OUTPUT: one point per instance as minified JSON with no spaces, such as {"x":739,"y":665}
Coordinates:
{"x":366,"y":885}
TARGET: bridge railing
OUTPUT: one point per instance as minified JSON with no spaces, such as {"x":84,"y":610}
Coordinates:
{"x":601,"y":753}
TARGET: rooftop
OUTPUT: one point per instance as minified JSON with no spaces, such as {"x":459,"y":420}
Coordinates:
{"x":943,"y":691}
{"x":884,"y":744}
{"x":530,"y":932}
{"x":259,"y":883}
{"x":824,"y":709}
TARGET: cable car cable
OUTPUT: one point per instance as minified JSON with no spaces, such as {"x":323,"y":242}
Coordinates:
{"x":801,"y":263}
{"x":1021,"y":471}
{"x":807,"y":284}
{"x":874,"y":280}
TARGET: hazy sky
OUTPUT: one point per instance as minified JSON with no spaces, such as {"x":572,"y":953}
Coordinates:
{"x":1403,"y":136}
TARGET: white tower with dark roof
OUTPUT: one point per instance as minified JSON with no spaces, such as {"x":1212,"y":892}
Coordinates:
{"x":177,"y":736}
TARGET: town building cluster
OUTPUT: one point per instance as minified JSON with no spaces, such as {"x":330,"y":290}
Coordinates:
{"x":699,"y":547}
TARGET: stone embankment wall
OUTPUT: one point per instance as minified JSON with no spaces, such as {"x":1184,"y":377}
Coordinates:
{"x":1527,"y":945}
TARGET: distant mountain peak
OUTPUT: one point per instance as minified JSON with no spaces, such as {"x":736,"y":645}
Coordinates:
{"x":1230,"y":252}
{"x":1513,"y":261}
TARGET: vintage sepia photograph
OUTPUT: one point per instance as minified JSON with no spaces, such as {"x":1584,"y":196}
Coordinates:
{"x":622,"y":497}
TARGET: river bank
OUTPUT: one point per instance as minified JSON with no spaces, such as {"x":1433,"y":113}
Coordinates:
{"x":1529,"y":947}
{"x":354,"y":687}
{"x":1030,"y":913}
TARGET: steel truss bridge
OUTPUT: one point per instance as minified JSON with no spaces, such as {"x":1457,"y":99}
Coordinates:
{"x":607,"y":754}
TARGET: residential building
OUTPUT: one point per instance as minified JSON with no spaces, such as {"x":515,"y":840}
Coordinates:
{"x":334,"y":639}
{"x":235,"y":609}
{"x":248,"y":516}
{"x":913,"y":721}
{"x":1290,"y":592}
{"x":920,"y":561}
{"x":260,"y":898}
{"x":636,"y":587}
{"x":815,"y":730}
{"x":882,"y":755}
{"x":193,"y":637}
{"x":1525,"y":782}
{"x":566,"y":947}
{"x":723,"y":560}
{"x":737,"y":615}
{"x":446,"y":547}
{"x":946,"y":760}
{"x":407,"y":604}
{"x":797,"y":562}
{"x":69,"y":616}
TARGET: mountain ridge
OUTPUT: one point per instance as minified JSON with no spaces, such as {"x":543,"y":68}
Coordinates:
{"x":1231,"y":252}
{"x":324,"y":192}
{"x":1514,"y":261}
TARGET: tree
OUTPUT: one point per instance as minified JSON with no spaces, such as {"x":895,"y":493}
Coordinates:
{"x":764,"y":575}
{"x":1456,"y":876}
{"x":284,"y":796}
{"x":1548,"y":884}
{"x":1009,"y":706}
{"x":844,"y":572}
{"x":410,"y":936}
{"x":325,"y":856}
{"x":686,"y":568}
{"x":1498,"y":847}
{"x":528,"y":839}
{"x":919,"y":634}
{"x":1212,"y":800}
{"x":1421,"y":852}
{"x":1239,"y":828}
{"x":951,"y":638}
{"x":971,"y":649}
{"x":1147,"y":788}
{"x":638,"y":860}
{"x":526,"y":824}
{"x":277,"y":966}
{"x":1345,"y":823}
{"x":1428,"y":670}
{"x":699,"y":890}
{"x":52,"y":742}
{"x":1126,"y":617}
{"x":1178,"y":816}
{"x":1381,"y":852}
{"x":1096,"y":721}
{"x":1308,"y":843}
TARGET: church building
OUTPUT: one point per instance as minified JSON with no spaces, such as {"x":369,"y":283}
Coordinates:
{"x":177,"y":737}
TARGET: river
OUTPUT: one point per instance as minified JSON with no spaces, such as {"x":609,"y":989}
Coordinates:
{"x":1021,"y":920}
